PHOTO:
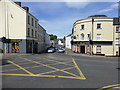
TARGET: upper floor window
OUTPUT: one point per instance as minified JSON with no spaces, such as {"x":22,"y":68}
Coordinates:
{"x":98,"y":37}
{"x":32,"y":22}
{"x":82,"y":36}
{"x":36,"y":24}
{"x":35,"y":33}
{"x":82,"y":27}
{"x":32,"y":33}
{"x":99,"y":26}
{"x":28,"y":32}
{"x":117,"y":41}
{"x":117,"y":29}
{"x":28,"y":19}
{"x":89,"y":36}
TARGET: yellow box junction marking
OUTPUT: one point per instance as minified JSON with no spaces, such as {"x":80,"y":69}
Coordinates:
{"x":47,"y":65}
{"x":21,"y":68}
{"x":110,"y":86}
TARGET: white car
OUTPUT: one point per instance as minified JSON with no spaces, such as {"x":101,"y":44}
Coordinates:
{"x":61,"y":50}
{"x":50,"y":50}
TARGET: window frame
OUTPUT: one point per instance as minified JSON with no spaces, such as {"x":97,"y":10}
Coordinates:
{"x":100,"y":26}
{"x":82,"y":27}
{"x":98,"y":37}
{"x":98,"y":49}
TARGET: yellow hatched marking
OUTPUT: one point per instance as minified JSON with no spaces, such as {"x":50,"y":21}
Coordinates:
{"x":45,"y":76}
{"x":55,"y":71}
{"x":27,"y":67}
{"x":50,"y":67}
{"x":58,"y":61}
{"x":110,"y":86}
{"x":11,"y":65}
{"x":20,"y":67}
{"x":80,"y":72}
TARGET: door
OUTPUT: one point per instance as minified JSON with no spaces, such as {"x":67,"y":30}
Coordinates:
{"x":82,"y":49}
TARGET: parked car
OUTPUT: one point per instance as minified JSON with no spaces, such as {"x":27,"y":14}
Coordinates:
{"x":61,"y":50}
{"x":51,"y":50}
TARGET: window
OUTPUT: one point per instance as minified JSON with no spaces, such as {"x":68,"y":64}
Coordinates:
{"x":32,"y":33}
{"x":117,"y":41}
{"x":35,"y":33}
{"x":28,"y":32}
{"x":98,"y":37}
{"x":98,"y":49}
{"x":89,"y":37}
{"x":99,"y":26}
{"x":82,"y":27}
{"x":36,"y":24}
{"x":117,"y":29}
{"x":32,"y":22}
{"x":28,"y":19}
{"x":82,"y":36}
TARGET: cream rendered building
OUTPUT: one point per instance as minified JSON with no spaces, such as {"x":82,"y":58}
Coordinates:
{"x":21,"y":27}
{"x":95,"y":35}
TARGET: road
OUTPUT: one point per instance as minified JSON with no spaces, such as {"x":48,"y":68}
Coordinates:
{"x":60,"y":70}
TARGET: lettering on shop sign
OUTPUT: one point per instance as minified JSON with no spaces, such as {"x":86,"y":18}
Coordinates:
{"x":15,"y":40}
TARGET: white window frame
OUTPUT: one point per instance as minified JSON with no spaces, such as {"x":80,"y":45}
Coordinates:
{"x":100,"y":26}
{"x":82,"y":36}
{"x":117,"y":29}
{"x":98,"y":37}
{"x":98,"y":49}
{"x":117,"y":41}
{"x":81,"y":27}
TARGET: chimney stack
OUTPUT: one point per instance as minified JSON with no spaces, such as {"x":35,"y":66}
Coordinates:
{"x":18,"y":3}
{"x":26,"y":8}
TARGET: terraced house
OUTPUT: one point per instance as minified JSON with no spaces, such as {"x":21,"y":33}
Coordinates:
{"x":21,"y":29}
{"x":96,"y":35}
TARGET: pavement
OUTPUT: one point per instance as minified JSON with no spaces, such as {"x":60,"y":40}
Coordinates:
{"x":60,"y":70}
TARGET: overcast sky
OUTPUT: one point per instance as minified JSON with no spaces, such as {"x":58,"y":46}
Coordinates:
{"x":58,"y":17}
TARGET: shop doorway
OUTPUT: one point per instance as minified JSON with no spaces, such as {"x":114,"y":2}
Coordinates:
{"x":82,"y":49}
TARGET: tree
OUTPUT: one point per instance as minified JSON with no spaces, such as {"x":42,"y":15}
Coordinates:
{"x":53,"y":37}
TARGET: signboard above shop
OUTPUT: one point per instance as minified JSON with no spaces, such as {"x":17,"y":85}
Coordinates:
{"x":16,"y":40}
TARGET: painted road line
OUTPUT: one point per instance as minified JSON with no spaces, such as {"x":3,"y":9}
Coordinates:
{"x":55,"y":76}
{"x":12,"y":65}
{"x":55,"y":71}
{"x":57,"y":61}
{"x":80,"y":72}
{"x":51,"y":67}
{"x":21,"y":68}
{"x":110,"y":86}
{"x":26,"y":67}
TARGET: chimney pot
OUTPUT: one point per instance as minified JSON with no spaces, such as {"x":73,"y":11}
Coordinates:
{"x":18,"y":3}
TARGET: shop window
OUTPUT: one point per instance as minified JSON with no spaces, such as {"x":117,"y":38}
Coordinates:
{"x":15,"y":47}
{"x":98,"y":49}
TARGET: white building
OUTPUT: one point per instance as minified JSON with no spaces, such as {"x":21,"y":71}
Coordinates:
{"x":68,"y":41}
{"x":21,"y":27}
